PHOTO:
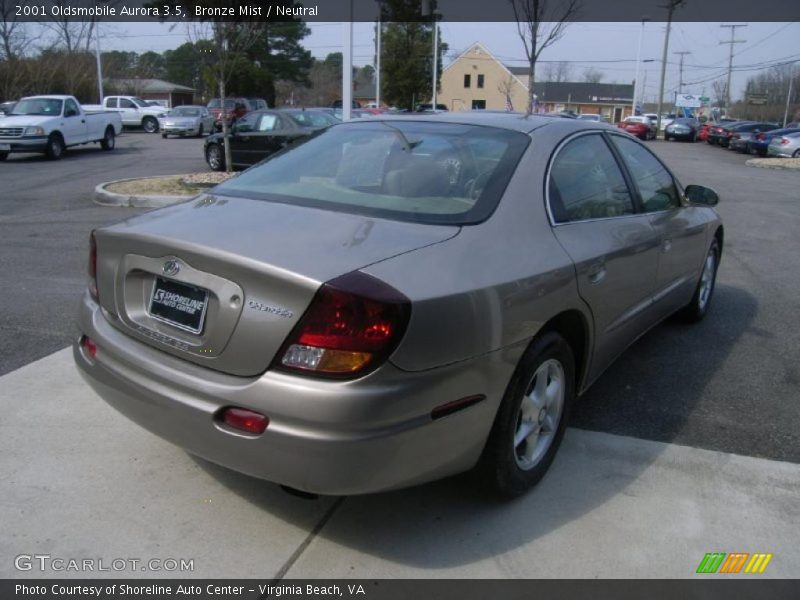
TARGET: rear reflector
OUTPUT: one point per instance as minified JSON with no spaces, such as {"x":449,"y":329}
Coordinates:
{"x":456,"y":405}
{"x":93,"y":266}
{"x":88,"y":346}
{"x":245,"y":420}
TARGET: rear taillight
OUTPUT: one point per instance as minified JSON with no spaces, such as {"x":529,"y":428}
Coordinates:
{"x":245,"y":420}
{"x":784,"y":141}
{"x":93,"y":266}
{"x":353,"y":324}
{"x":761,"y":137}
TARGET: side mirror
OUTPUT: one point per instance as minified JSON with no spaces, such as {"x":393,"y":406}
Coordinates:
{"x":698,"y":194}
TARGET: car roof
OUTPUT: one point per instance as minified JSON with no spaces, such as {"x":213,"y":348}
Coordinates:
{"x":500,"y":120}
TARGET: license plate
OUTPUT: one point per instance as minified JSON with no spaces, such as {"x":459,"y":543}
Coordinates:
{"x":5,"y":147}
{"x":180,"y":305}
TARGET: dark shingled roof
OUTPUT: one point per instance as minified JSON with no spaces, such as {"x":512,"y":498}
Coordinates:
{"x":579,"y":91}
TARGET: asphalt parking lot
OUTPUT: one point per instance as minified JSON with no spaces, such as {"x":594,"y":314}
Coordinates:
{"x":675,"y":433}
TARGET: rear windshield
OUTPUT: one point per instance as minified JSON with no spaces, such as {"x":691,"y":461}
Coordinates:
{"x":183,"y":111}
{"x":311,"y":118}
{"x":405,"y":170}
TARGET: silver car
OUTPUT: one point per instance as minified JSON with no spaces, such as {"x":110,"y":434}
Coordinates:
{"x":397,"y":299}
{"x":186,"y":120}
{"x":787,"y":146}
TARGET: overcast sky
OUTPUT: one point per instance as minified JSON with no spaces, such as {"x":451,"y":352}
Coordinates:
{"x":584,"y":45}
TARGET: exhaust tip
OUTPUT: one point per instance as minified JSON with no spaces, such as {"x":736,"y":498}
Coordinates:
{"x":299,"y":493}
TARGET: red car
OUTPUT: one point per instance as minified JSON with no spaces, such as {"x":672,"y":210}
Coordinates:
{"x":235,"y":108}
{"x":702,"y":135}
{"x":641,"y":127}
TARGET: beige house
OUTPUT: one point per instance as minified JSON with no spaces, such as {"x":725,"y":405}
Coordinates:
{"x":477,"y":80}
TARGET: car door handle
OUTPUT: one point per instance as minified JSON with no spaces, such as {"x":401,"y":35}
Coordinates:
{"x":597,"y":272}
{"x":666,"y":245}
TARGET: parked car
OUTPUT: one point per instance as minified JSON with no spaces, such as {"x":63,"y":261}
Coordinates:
{"x":186,"y":120}
{"x":133,"y":111}
{"x":720,"y":134}
{"x":234,"y":109}
{"x":313,"y":321}
{"x":258,"y":103}
{"x":260,"y":133}
{"x":759,"y":143}
{"x":682,"y":128}
{"x":739,"y":136}
{"x":6,"y":107}
{"x":51,"y":124}
{"x":338,"y":104}
{"x":786,"y":145}
{"x":702,"y":134}
{"x":641,"y":127}
{"x":666,"y":120}
{"x":592,"y":117}
{"x":428,"y":107}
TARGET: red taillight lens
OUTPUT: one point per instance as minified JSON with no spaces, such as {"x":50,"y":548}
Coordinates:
{"x":761,"y":137}
{"x":88,"y":346}
{"x":353,"y":324}
{"x":245,"y":420}
{"x":93,"y":266}
{"x":784,"y":141}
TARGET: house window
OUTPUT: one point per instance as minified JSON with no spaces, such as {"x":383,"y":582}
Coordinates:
{"x":479,"y":105}
{"x":480,"y":81}
{"x":467,"y":80}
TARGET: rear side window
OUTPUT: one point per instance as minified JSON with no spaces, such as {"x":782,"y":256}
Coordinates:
{"x":405,"y":170}
{"x":655,"y":184}
{"x":586,"y":182}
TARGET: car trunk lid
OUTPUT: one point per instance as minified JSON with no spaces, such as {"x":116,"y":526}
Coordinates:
{"x":222,"y":281}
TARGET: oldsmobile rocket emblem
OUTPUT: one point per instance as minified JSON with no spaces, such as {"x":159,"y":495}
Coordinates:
{"x":171,"y":267}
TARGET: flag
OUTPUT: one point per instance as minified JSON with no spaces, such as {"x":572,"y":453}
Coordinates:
{"x":509,"y":106}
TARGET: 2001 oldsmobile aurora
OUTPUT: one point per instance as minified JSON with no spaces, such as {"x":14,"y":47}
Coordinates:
{"x":395,"y":301}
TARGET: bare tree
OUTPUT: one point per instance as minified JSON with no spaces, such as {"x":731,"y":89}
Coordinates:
{"x":720,"y":87}
{"x":13,"y":37}
{"x":592,"y":75}
{"x":557,"y":72}
{"x":541,"y":23}
{"x":231,"y":41}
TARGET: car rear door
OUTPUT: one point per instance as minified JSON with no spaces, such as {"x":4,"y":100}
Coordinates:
{"x":613,"y":245}
{"x":680,"y":228}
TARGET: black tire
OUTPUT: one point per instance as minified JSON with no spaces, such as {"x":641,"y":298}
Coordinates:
{"x":164,"y":135}
{"x":694,"y":137}
{"x":200,"y":131}
{"x":150,"y":125}
{"x":55,"y":146}
{"x":215,"y":157}
{"x":700,"y":302}
{"x":3,"y":156}
{"x":796,"y":154}
{"x":501,"y":466}
{"x":109,"y":140}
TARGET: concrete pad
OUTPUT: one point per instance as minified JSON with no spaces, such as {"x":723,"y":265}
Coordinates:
{"x":611,"y":507}
{"x":81,"y":481}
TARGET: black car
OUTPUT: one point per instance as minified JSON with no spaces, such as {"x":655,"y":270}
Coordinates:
{"x":720,"y":134}
{"x":683,"y":128}
{"x":260,"y":133}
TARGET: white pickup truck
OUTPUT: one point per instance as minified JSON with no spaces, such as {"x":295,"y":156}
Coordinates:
{"x":134,"y":111}
{"x":51,"y":124}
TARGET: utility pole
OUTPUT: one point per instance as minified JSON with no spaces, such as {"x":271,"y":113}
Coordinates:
{"x":671,"y":5}
{"x":99,"y":63}
{"x":730,"y":63}
{"x":637,"y":107}
{"x":680,"y":74}
{"x":788,"y":98}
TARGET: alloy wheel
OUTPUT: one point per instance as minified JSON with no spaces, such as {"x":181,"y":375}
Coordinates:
{"x":539,"y":414}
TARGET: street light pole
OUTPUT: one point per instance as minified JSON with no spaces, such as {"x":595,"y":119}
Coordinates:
{"x":99,"y":63}
{"x":378,"y":65}
{"x":671,"y":6}
{"x":637,"y":108}
{"x":347,"y":68}
{"x":435,"y":58}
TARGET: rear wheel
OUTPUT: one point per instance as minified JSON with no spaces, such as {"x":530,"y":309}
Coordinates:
{"x":55,"y":147}
{"x":164,"y":135}
{"x":796,"y":154}
{"x":200,"y":131}
{"x":698,"y":306}
{"x":215,"y":158}
{"x":109,"y":139}
{"x":3,"y":156}
{"x":532,"y":417}
{"x":150,"y":125}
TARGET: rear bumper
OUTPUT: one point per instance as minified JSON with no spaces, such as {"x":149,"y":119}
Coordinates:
{"x":26,"y":144}
{"x":179,"y":130}
{"x":773,"y":151}
{"x":326,"y":437}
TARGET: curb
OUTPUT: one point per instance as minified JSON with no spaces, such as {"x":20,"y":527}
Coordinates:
{"x":105,"y":198}
{"x":762,"y":163}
